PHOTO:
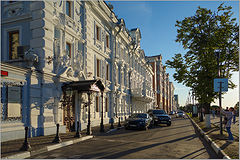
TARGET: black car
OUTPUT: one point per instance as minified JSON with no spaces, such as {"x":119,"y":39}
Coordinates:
{"x":160,"y":117}
{"x":138,"y":121}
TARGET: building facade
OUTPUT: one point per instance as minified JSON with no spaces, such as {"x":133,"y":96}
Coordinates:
{"x":163,"y":88}
{"x":51,"y":44}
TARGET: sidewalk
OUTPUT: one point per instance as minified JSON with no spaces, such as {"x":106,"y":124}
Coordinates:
{"x":234,"y":127}
{"x":43,"y":143}
{"x":231,"y":149}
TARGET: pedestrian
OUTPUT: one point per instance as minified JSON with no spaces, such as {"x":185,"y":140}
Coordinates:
{"x":229,"y":116}
{"x":226,"y":109}
{"x":213,"y":113}
{"x":234,"y":116}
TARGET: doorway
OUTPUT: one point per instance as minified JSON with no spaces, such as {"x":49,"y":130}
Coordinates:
{"x":69,"y":113}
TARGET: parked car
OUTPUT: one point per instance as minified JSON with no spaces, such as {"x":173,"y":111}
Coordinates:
{"x":172,"y":113}
{"x":138,"y":121}
{"x":160,"y":117}
{"x":180,"y":114}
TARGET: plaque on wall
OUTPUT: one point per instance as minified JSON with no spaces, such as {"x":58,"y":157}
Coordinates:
{"x":14,"y":94}
{"x":14,"y":102}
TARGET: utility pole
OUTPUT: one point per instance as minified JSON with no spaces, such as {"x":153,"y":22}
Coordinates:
{"x":220,"y":92}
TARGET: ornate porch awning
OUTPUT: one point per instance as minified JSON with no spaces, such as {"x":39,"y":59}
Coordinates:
{"x":84,"y":86}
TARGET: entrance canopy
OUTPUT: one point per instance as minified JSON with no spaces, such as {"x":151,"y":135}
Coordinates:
{"x":84,"y":86}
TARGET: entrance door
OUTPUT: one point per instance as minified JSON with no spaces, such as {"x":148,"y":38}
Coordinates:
{"x":69,"y":115}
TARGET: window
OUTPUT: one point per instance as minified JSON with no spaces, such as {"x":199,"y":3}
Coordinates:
{"x":106,"y":104}
{"x":98,"y":32}
{"x":68,"y":49}
{"x":11,"y":100}
{"x":107,"y":72}
{"x":68,"y":8}
{"x":98,"y":68}
{"x":13,"y":44}
{"x":107,"y":41}
{"x":97,"y":104}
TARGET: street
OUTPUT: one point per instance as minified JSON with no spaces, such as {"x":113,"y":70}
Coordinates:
{"x":178,"y":141}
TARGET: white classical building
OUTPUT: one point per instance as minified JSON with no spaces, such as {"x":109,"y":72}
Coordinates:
{"x":61,"y":58}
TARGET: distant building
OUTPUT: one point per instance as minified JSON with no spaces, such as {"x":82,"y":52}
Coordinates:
{"x":176,"y":100}
{"x":163,"y":89}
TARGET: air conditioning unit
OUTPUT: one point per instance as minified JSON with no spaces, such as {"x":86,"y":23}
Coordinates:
{"x":21,"y":50}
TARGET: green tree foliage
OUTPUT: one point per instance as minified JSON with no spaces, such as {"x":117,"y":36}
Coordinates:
{"x":205,"y":35}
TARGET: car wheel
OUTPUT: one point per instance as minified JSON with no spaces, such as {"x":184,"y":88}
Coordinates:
{"x":169,"y":124}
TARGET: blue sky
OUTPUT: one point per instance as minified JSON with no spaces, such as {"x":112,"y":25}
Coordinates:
{"x":156,"y":20}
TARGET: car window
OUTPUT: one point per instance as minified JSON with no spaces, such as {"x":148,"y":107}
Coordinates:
{"x":139,"y":116}
{"x":159,"y":112}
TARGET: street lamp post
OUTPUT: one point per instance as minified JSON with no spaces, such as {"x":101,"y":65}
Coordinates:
{"x":119,"y":123}
{"x":77,"y":108}
{"x":111,"y":121}
{"x":101,"y":125}
{"x":89,"y":132}
{"x":26,"y":146}
{"x":220,"y":91}
{"x":57,"y":139}
{"x":78,"y":134}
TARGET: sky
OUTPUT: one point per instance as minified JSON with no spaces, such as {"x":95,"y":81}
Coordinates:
{"x":156,"y":20}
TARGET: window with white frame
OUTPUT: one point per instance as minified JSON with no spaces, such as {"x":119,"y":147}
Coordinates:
{"x":69,"y":49}
{"x":97,"y":104}
{"x":69,"y":8}
{"x":12,"y":105}
{"x":13,"y":41}
{"x":98,"y":68}
{"x":106,"y":104}
{"x":107,"y":72}
{"x":98,"y":32}
{"x":107,"y":41}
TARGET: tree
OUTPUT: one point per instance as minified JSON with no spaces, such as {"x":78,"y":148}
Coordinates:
{"x":205,"y":35}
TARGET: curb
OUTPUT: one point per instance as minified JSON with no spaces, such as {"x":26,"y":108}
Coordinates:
{"x":47,"y":148}
{"x":213,"y":145}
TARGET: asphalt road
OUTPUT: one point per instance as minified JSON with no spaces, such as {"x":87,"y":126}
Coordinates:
{"x":178,"y":141}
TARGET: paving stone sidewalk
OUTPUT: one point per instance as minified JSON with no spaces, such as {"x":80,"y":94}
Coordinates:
{"x":12,"y":147}
{"x":234,"y":127}
{"x":231,"y":149}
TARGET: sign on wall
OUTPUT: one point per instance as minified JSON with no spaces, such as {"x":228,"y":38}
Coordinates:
{"x":14,"y":102}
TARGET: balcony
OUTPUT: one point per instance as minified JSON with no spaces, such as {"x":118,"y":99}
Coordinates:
{"x":148,"y":95}
{"x":143,"y":95}
{"x":137,"y":93}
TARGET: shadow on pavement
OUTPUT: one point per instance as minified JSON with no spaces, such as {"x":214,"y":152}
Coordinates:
{"x":168,"y":135}
{"x":192,"y":153}
{"x":123,"y":153}
{"x":225,"y":145}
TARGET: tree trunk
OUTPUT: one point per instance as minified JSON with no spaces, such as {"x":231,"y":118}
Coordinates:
{"x":201,"y":113}
{"x":207,"y":115}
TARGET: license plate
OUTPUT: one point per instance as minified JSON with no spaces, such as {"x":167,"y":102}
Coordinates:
{"x":133,"y":125}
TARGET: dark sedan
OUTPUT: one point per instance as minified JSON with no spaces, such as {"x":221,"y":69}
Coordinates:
{"x":160,"y":117}
{"x":138,"y":121}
